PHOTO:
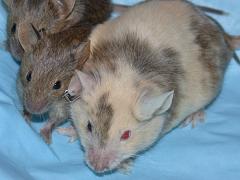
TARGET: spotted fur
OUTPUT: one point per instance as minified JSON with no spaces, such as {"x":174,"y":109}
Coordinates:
{"x":154,"y":48}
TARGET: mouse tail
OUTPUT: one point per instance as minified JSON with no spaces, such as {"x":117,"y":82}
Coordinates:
{"x":212,"y":10}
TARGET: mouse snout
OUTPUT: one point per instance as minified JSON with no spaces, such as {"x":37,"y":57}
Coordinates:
{"x":36,"y":107}
{"x":99,"y":160}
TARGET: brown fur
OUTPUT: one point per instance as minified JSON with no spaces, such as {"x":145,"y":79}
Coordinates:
{"x":54,"y":58}
{"x":208,"y":38}
{"x":48,"y":48}
{"x":44,"y":17}
{"x":104,"y":116}
{"x":15,"y":15}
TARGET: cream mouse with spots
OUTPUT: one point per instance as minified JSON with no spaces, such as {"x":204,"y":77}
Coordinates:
{"x":148,"y":70}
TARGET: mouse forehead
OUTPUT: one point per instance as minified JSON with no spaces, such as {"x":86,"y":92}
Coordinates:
{"x":48,"y":52}
{"x":103,"y":113}
{"x":53,"y":67}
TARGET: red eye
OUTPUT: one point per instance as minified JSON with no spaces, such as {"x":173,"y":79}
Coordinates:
{"x":126,"y":135}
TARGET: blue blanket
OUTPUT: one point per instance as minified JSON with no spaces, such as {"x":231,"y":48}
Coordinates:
{"x":211,"y":151}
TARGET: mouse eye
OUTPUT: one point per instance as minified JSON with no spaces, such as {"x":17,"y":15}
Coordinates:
{"x":14,"y":27}
{"x":89,"y":126}
{"x":57,"y":85}
{"x":126,"y":135}
{"x":29,"y":76}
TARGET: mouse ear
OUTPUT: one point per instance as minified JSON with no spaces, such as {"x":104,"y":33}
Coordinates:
{"x":81,"y":81}
{"x":74,"y":87}
{"x":151,"y":104}
{"x":27,"y":36}
{"x":62,"y":7}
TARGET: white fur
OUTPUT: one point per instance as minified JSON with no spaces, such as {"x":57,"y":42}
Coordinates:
{"x":160,"y":23}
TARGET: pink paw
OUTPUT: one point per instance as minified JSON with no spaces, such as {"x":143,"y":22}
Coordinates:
{"x":194,"y":118}
{"x":46,"y":134}
{"x":70,"y":132}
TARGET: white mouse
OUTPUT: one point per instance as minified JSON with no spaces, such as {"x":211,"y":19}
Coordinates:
{"x":148,"y":70}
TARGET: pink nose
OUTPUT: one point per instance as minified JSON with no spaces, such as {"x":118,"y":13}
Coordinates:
{"x":99,"y":161}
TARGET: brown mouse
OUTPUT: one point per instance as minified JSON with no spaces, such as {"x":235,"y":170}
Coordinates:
{"x":51,"y":16}
{"x":45,"y":73}
{"x":43,"y":26}
{"x":148,"y":70}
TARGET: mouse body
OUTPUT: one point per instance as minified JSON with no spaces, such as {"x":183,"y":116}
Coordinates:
{"x":147,"y":71}
{"x":50,"y":16}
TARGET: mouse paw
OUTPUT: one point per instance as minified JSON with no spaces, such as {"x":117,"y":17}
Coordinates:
{"x":125,"y":167}
{"x":194,"y":118}
{"x":70,"y":132}
{"x":46,"y":133}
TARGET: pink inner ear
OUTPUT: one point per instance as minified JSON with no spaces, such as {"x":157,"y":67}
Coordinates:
{"x":87,"y":82}
{"x":74,"y":87}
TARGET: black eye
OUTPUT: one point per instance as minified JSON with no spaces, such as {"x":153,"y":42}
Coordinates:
{"x":29,"y":76}
{"x":89,"y":126}
{"x":13,"y":29}
{"x":57,"y":85}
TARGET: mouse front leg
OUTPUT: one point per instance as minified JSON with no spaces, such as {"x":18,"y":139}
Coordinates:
{"x":125,"y":166}
{"x":57,"y":115}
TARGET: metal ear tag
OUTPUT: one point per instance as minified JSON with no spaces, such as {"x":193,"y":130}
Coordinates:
{"x":69,"y":98}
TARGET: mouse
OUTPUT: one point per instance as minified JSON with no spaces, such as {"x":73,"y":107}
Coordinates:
{"x":53,"y":16}
{"x":144,"y":76}
{"x":34,"y":34}
{"x":45,"y":73}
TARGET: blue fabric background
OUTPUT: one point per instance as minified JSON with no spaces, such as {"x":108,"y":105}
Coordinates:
{"x":211,"y":151}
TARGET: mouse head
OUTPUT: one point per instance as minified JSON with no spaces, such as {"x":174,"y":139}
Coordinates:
{"x":51,"y":16}
{"x":114,"y":118}
{"x":46,"y":71}
{"x":33,"y":16}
